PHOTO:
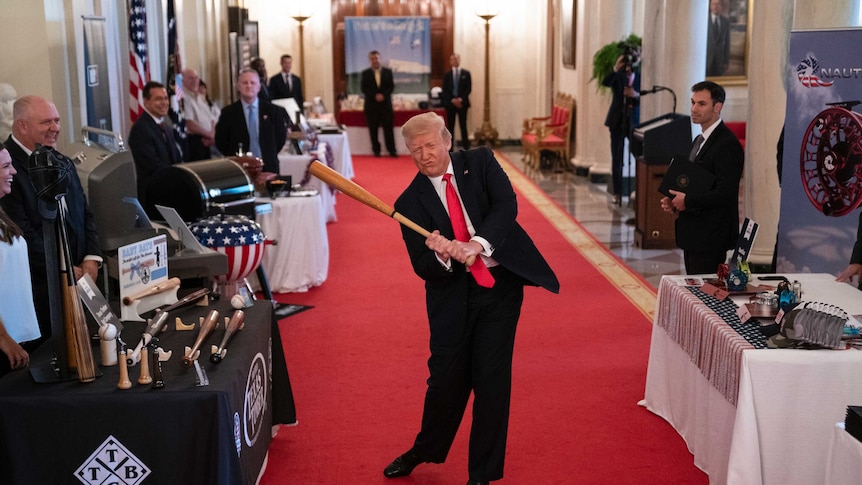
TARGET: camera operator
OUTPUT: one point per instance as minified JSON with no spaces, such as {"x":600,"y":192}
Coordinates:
{"x":624,"y":112}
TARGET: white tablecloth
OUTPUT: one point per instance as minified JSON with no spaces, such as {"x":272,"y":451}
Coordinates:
{"x":297,"y":167}
{"x":342,"y":158}
{"x":787,"y":402}
{"x":845,"y":458}
{"x":300,"y":260}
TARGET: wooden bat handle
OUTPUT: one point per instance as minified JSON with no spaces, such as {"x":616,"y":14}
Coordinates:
{"x":145,"y":377}
{"x":153,"y":290}
{"x":237,"y":320}
{"x":355,"y":191}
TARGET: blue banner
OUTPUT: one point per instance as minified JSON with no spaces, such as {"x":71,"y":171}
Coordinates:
{"x":821,"y":188}
{"x":404,"y":44}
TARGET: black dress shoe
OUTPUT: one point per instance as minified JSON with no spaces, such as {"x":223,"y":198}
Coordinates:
{"x":474,"y":482}
{"x":403,"y":465}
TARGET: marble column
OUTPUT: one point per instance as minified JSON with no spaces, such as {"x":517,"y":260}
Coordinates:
{"x":674,"y":53}
{"x":605,"y":21}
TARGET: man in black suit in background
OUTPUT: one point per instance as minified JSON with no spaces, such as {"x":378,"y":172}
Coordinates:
{"x":472,"y":311}
{"x":456,"y":98}
{"x":259,"y":66}
{"x":151,"y":141}
{"x":239,"y":121}
{"x":717,"y":40}
{"x":285,"y":84}
{"x":37,"y":122}
{"x":707,"y":224}
{"x":377,"y":84}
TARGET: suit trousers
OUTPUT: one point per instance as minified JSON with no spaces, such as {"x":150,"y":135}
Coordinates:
{"x":473,"y":355}
{"x":698,"y":262}
{"x":451,"y":113}
{"x":618,"y":156}
{"x":386,"y":120}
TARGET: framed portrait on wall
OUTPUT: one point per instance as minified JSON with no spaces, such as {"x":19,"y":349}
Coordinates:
{"x":250,"y":33}
{"x":727,"y":40}
{"x":568,"y":18}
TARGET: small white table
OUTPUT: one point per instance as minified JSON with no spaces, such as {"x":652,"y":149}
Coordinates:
{"x":845,"y":458}
{"x":300,"y":260}
{"x":342,"y":157}
{"x":297,"y":167}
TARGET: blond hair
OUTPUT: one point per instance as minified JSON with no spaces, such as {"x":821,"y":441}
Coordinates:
{"x":425,"y":123}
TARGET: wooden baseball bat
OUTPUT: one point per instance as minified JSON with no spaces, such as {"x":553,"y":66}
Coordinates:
{"x":355,"y":191}
{"x":153,"y":290}
{"x":207,"y":327}
{"x":236,"y":323}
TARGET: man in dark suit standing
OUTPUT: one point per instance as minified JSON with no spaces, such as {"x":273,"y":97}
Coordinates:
{"x":717,"y":40}
{"x":37,"y":122}
{"x":285,"y":84}
{"x":707,"y":224}
{"x":623,"y":114}
{"x":377,"y":85}
{"x":252,"y":124}
{"x":151,"y":141}
{"x":472,"y":310}
{"x":456,"y":98}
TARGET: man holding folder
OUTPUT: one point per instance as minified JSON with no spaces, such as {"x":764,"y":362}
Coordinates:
{"x":707,"y":223}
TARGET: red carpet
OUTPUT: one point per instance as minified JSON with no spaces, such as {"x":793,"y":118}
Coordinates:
{"x":357,"y":364}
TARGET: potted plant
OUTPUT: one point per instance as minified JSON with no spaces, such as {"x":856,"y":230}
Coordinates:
{"x":605,"y":58}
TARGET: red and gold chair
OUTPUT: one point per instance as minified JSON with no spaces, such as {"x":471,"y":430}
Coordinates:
{"x":550,"y":133}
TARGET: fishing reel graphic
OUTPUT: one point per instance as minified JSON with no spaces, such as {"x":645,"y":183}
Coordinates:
{"x":831,"y":159}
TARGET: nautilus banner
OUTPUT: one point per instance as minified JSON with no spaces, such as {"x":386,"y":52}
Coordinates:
{"x":821,"y":170}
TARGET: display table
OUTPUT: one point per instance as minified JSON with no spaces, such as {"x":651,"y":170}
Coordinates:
{"x":357,"y":129}
{"x":297,"y":167}
{"x":300,"y":260}
{"x":183,"y":433}
{"x":845,"y":458}
{"x":342,"y":158}
{"x":749,"y":416}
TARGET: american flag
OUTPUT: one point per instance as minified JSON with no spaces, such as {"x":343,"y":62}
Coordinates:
{"x":139,"y":65}
{"x":175,"y":80}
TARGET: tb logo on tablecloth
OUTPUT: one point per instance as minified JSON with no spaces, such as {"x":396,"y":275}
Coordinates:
{"x":112,"y":463}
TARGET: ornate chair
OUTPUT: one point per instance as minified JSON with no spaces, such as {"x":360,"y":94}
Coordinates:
{"x":549,"y":133}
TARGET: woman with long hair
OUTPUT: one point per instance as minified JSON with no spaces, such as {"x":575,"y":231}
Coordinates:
{"x":19,"y":330}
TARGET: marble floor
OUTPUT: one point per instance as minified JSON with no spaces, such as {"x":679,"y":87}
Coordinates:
{"x":613,"y":226}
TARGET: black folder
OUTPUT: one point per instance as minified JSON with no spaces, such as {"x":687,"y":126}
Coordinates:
{"x":686,"y":176}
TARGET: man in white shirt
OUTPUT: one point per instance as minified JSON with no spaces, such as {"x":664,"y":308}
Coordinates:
{"x":200,"y":124}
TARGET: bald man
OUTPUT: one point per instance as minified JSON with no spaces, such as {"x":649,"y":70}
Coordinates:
{"x":37,"y":122}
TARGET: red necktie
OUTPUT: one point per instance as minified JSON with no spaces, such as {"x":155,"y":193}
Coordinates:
{"x":459,"y":226}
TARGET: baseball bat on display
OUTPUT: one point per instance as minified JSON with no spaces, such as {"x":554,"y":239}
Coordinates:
{"x":354,"y":191}
{"x":153,"y":290}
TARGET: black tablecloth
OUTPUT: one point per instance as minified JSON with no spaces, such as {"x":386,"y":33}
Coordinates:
{"x":184,"y":433}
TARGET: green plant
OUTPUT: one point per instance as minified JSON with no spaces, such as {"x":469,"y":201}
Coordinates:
{"x":605,"y":58}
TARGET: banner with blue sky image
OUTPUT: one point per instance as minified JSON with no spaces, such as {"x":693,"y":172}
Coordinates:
{"x":404,"y":44}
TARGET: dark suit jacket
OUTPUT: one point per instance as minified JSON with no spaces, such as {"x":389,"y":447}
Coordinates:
{"x":22,"y":206}
{"x":490,"y":201}
{"x":710,"y":221}
{"x":617,"y":81}
{"x":272,"y":125}
{"x":465,"y":86}
{"x":717,"y":47}
{"x":150,"y":151}
{"x":278,"y":89}
{"x":370,"y":91}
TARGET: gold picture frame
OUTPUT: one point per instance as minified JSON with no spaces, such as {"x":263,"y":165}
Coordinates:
{"x":728,"y":41}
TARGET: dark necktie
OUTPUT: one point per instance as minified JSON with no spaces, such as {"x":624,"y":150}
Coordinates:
{"x":168,"y":142}
{"x":455,"y":82}
{"x":695,"y":147}
{"x":459,"y":227}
